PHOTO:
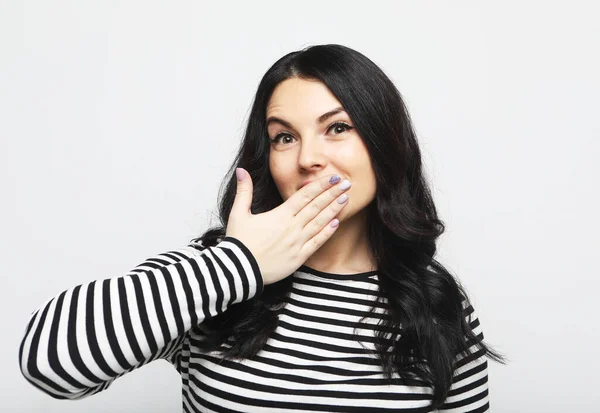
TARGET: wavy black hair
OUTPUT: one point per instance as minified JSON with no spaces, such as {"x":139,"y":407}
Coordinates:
{"x":403,"y":226}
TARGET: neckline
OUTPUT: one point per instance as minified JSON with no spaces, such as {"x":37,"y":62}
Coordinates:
{"x":335,"y":276}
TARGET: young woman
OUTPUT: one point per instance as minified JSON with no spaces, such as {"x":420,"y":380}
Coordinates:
{"x":319,"y":291}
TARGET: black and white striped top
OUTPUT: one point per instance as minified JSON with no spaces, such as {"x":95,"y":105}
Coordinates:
{"x":79,"y":342}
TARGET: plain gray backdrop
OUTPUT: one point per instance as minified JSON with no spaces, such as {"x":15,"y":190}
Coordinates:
{"x":118,"y":120}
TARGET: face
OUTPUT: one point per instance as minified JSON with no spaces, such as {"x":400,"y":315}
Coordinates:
{"x":312,"y":136}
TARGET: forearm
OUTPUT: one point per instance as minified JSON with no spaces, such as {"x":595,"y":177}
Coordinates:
{"x":86,"y":337}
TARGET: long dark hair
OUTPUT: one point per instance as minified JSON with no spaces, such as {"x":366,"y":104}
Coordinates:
{"x":403,"y":226}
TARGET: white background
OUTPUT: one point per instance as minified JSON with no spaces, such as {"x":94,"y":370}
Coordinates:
{"x":118,"y":120}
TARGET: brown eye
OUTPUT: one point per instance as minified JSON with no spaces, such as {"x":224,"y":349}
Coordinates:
{"x":340,"y":125}
{"x":275,"y":140}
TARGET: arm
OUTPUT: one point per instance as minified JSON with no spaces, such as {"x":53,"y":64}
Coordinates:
{"x":469,"y":390}
{"x":86,"y":337}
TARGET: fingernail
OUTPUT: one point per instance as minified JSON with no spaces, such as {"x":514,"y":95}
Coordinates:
{"x":343,"y":198}
{"x":345,"y":184}
{"x":239,"y":173}
{"x":334,"y":179}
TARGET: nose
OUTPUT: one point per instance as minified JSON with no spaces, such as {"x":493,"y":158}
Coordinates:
{"x":312,"y":153}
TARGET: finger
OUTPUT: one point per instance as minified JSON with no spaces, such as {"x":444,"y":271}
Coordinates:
{"x":244,"y":189}
{"x":321,"y":202}
{"x":314,"y":243}
{"x":307,"y":193}
{"x":324,"y":218}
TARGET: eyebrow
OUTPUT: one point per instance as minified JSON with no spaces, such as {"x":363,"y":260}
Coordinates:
{"x":320,"y":119}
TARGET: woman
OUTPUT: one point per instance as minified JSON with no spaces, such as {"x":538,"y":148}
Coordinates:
{"x":314,"y":295}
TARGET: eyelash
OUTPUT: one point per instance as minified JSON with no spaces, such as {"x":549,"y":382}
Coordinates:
{"x":343,"y":124}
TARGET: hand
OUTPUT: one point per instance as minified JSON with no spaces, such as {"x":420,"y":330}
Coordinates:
{"x":282,"y":239}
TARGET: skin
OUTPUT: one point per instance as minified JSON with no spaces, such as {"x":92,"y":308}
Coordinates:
{"x":308,"y":149}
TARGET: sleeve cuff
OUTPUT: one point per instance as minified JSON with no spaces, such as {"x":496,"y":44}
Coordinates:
{"x":253,"y":263}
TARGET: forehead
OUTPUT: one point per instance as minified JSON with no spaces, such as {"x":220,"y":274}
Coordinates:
{"x":296,"y":96}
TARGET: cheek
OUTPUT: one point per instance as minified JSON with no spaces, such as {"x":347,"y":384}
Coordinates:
{"x":351,"y":153}
{"x":283,"y":179}
{"x":357,"y":165}
{"x":346,"y":155}
{"x":277,"y":170}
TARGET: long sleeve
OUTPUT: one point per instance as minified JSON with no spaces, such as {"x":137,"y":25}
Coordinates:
{"x":79,"y":342}
{"x":469,"y":390}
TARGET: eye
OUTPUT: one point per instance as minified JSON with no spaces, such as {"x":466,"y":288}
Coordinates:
{"x":339,"y":125}
{"x":279,"y":135}
{"x":344,"y":126}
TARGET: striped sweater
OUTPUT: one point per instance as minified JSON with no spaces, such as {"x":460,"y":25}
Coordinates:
{"x":79,"y":342}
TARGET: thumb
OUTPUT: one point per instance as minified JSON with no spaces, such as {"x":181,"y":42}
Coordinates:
{"x":243,"y":195}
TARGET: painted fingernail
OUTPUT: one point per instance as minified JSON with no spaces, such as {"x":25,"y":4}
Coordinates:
{"x":345,"y":185}
{"x":334,"y":179}
{"x":342,"y":198}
